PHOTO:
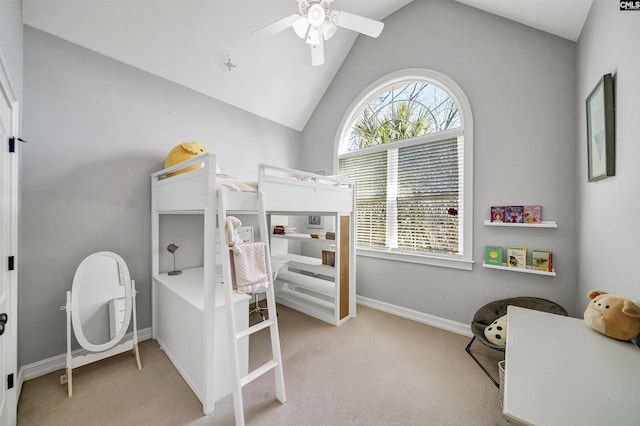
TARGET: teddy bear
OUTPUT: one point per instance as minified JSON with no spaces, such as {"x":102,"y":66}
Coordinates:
{"x":233,"y":237}
{"x":496,"y":332}
{"x":183,"y":152}
{"x":613,"y":316}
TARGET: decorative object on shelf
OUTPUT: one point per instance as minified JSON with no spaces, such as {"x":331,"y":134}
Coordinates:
{"x":532,"y":214}
{"x":542,"y":260}
{"x":171,"y":248}
{"x":330,"y":235}
{"x":314,"y":221}
{"x":601,"y":130}
{"x":612,"y":315}
{"x":514,"y":214}
{"x":493,"y":255}
{"x":498,"y":214}
{"x":183,"y":152}
{"x":517,"y":257}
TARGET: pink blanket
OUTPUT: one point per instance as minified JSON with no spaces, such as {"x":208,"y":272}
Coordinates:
{"x":248,"y":269}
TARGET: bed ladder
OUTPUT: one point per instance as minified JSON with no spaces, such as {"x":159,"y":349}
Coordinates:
{"x":238,"y":380}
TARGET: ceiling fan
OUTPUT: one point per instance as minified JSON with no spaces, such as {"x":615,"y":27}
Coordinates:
{"x":317,"y":22}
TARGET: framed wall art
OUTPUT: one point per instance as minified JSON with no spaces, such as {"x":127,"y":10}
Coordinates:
{"x":601,"y":151}
{"x":314,"y":221}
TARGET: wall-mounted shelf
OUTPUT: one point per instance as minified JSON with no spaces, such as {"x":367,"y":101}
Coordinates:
{"x":504,"y":267}
{"x":304,"y":237}
{"x":543,"y":224}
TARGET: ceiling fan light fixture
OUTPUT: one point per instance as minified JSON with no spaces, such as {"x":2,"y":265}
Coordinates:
{"x":328,"y":30}
{"x":300,"y":26}
{"x":316,"y":15}
{"x":313,"y":38}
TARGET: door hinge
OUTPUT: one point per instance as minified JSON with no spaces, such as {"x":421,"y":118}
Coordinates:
{"x":11,"y":263}
{"x":12,"y":143}
{"x":10,"y":381}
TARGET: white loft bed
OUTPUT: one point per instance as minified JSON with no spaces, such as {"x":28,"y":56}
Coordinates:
{"x":188,"y":310}
{"x":189,"y":318}
{"x":303,"y":283}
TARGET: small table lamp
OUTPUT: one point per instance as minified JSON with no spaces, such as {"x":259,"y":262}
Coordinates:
{"x":172,"y":249}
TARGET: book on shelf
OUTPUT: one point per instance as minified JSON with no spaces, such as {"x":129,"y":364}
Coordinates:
{"x":517,"y":257}
{"x":329,"y":257}
{"x":532,"y":214}
{"x":493,"y":255}
{"x":283,"y":229}
{"x":542,"y":260}
{"x":498,"y":214}
{"x":514,"y":214}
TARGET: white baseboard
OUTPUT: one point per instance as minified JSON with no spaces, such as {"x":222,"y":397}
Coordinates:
{"x":59,"y":362}
{"x":421,"y":317}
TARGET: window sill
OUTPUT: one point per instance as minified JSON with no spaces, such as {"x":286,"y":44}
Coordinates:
{"x":443,"y":261}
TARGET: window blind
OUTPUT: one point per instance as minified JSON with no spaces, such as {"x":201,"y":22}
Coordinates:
{"x":428,"y":197}
{"x":370,"y":174}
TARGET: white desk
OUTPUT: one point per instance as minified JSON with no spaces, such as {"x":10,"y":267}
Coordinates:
{"x":561,"y":372}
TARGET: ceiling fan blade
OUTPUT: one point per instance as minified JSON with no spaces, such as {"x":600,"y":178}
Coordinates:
{"x":357,"y":23}
{"x":317,"y":53}
{"x":277,"y":26}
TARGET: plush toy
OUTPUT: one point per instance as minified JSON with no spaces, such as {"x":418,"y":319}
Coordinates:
{"x":183,"y":152}
{"x":612,"y":315}
{"x":496,"y":332}
{"x":233,"y":238}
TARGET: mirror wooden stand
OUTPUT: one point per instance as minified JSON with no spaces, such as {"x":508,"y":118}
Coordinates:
{"x":100,"y":308}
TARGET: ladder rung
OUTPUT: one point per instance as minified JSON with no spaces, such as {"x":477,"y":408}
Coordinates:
{"x":254,"y":328}
{"x":258,"y":372}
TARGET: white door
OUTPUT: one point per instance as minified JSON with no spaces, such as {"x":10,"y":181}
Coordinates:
{"x":8,"y":247}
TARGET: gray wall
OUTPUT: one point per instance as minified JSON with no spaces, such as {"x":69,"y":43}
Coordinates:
{"x":521,"y":86}
{"x":608,"y":248}
{"x":97,"y":129}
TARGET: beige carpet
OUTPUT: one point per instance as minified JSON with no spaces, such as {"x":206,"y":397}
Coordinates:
{"x":376,"y":369}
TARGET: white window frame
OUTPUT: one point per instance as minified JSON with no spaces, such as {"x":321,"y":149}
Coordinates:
{"x":449,"y":86}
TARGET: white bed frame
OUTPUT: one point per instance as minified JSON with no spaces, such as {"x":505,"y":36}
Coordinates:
{"x":188,"y":311}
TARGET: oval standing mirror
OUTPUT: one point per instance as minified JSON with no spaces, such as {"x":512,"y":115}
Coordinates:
{"x":101,"y":301}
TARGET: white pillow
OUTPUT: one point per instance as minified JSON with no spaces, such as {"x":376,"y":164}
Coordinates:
{"x":496,"y":332}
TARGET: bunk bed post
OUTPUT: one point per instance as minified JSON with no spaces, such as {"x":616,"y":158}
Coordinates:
{"x":155,"y":262}
{"x":353,"y":234}
{"x":209,"y":325}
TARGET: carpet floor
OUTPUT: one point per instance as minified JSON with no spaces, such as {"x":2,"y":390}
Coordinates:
{"x":375,"y":369}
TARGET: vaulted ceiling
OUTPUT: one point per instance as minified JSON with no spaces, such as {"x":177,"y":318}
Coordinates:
{"x":188,"y":42}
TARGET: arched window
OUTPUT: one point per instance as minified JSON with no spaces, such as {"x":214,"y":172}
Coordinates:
{"x":407,"y":143}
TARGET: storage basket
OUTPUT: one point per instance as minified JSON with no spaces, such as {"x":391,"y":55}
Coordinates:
{"x":501,"y":366}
